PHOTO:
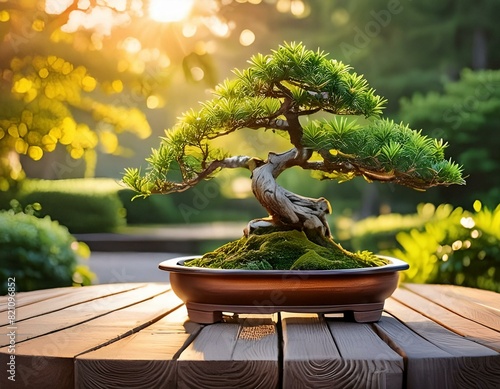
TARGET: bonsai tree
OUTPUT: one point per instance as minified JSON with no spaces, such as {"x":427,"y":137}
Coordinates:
{"x":275,"y":93}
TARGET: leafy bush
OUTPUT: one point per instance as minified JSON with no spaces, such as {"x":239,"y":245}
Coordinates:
{"x":153,"y":210}
{"x":378,"y":233}
{"x":39,"y":252}
{"x":442,"y":244}
{"x":462,"y":249}
{"x":82,"y":205}
{"x":205,"y":203}
{"x":102,"y":205}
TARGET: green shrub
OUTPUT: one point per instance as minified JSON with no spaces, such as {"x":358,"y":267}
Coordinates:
{"x":205,"y":203}
{"x":442,"y":244}
{"x":156,"y":209}
{"x":6,"y":197}
{"x":38,"y":252}
{"x":102,"y":205}
{"x":462,"y":249}
{"x":378,"y":233}
{"x":82,"y":205}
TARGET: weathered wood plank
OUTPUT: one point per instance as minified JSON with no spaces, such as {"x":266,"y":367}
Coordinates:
{"x":325,"y":354}
{"x":483,"y":297}
{"x":26,"y":298}
{"x":459,"y":304}
{"x":449,"y":319}
{"x":376,"y":364}
{"x":145,"y":359}
{"x":74,"y":296}
{"x":437,"y":357}
{"x":486,"y":298}
{"x":76,"y":314}
{"x":241,"y":354}
{"x":99,"y":330}
{"x":427,"y":366}
{"x":139,"y":338}
{"x":49,"y":357}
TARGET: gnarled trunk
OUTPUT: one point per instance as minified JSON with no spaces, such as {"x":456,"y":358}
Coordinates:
{"x":287,"y":209}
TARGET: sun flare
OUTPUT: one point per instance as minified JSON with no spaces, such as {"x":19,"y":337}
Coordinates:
{"x":169,"y":10}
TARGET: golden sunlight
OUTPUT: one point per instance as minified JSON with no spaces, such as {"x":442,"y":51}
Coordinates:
{"x":169,"y":10}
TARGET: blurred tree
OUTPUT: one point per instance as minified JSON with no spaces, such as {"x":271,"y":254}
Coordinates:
{"x":74,"y":74}
{"x":52,"y":92}
{"x":416,"y":43}
{"x":133,"y":54}
{"x":466,"y":112}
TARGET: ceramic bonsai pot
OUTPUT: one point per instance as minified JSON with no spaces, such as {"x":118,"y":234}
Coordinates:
{"x":358,"y":293}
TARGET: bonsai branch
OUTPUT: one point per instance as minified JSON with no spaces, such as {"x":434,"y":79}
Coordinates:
{"x":346,"y":167}
{"x":227,"y":163}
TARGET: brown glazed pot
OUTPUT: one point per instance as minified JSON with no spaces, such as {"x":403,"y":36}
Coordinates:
{"x":358,"y":293}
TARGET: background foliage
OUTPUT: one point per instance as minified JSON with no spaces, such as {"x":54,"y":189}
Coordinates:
{"x":467,"y":113}
{"x":39,"y":252}
{"x":80,"y":205}
{"x":442,"y":244}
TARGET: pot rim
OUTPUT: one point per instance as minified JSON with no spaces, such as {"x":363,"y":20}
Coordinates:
{"x":176,"y":265}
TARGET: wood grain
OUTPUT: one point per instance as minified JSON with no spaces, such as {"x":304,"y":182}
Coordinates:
{"x":51,"y":302}
{"x":460,"y":304}
{"x":26,"y":298}
{"x":425,"y":362}
{"x":145,"y":359}
{"x":240,"y":354}
{"x":437,"y":357}
{"x":324,"y":354}
{"x":449,"y":319}
{"x":77,"y":314}
{"x":376,"y":365}
{"x":46,"y":354}
{"x":138,"y":336}
{"x":486,"y":298}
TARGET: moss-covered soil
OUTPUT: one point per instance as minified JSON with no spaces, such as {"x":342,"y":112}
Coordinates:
{"x":285,"y":250}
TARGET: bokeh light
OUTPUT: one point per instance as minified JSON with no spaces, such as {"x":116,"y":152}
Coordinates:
{"x":169,"y":10}
{"x":247,"y":37}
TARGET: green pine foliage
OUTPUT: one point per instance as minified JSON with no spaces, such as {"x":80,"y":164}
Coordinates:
{"x":272,"y":94}
{"x":382,"y":150}
{"x":467,"y":110}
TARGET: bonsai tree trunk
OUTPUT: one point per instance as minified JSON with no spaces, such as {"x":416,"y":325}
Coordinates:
{"x":287,"y":209}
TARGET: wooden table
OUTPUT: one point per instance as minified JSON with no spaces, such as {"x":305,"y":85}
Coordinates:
{"x":137,"y":336}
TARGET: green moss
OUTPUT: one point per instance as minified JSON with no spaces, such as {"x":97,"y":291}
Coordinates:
{"x":311,"y":260}
{"x":284,"y":250}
